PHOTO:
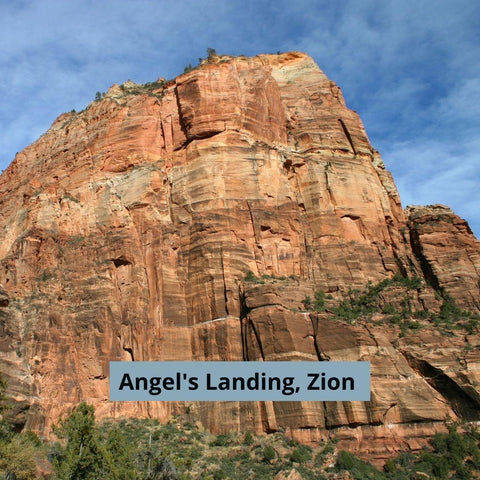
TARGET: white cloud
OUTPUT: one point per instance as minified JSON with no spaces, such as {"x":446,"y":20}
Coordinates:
{"x":438,"y":172}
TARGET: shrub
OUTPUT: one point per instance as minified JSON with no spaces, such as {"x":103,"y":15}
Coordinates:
{"x":17,"y":458}
{"x":449,"y":309}
{"x":390,"y":466}
{"x":163,"y":469}
{"x":269,"y":454}
{"x":307,"y":303}
{"x":248,"y":440}
{"x":221,"y":441}
{"x":388,"y":309}
{"x":357,"y":467}
{"x":211,"y":53}
{"x":301,"y":454}
{"x":345,"y":460}
{"x":472,"y":326}
{"x":364,"y":304}
{"x":250,"y":277}
{"x":319,"y":304}
{"x":329,"y":447}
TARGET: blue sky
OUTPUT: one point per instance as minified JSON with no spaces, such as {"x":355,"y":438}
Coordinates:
{"x":411,"y":69}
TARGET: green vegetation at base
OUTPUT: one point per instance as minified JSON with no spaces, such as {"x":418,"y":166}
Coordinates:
{"x":83,"y":456}
{"x":357,"y":468}
{"x":20,"y":453}
{"x":301,"y":454}
{"x":269,"y":454}
{"x":137,"y":449}
{"x":251,"y":277}
{"x":453,"y":456}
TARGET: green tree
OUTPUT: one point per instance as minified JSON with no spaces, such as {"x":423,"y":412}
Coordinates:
{"x":211,"y":52}
{"x":307,"y":303}
{"x":319,"y":305}
{"x":17,"y":458}
{"x":121,"y":454}
{"x":269,"y":454}
{"x":248,"y":440}
{"x":162,"y":469}
{"x":5,"y":428}
{"x":251,"y":277}
{"x":83,"y":457}
{"x":301,"y":454}
{"x":18,"y":452}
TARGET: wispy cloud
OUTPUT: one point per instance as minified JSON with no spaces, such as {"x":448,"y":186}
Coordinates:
{"x":411,"y":69}
{"x":438,"y":171}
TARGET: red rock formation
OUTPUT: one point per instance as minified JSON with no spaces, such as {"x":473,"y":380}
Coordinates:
{"x":128,"y":229}
{"x":448,"y":251}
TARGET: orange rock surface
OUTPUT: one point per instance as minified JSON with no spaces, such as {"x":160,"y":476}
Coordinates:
{"x":128,"y":229}
{"x":448,"y":252}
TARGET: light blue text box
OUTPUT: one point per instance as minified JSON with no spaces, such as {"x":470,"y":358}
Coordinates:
{"x":239,"y":381}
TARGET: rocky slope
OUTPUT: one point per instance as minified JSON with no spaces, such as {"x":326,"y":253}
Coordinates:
{"x":128,"y":230}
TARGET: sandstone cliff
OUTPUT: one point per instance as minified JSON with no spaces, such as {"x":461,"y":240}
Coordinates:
{"x":128,"y":230}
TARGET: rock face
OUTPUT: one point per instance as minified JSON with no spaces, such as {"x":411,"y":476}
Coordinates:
{"x":448,"y":252}
{"x":128,"y":230}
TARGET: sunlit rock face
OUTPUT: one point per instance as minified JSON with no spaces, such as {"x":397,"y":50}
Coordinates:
{"x":128,"y":229}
